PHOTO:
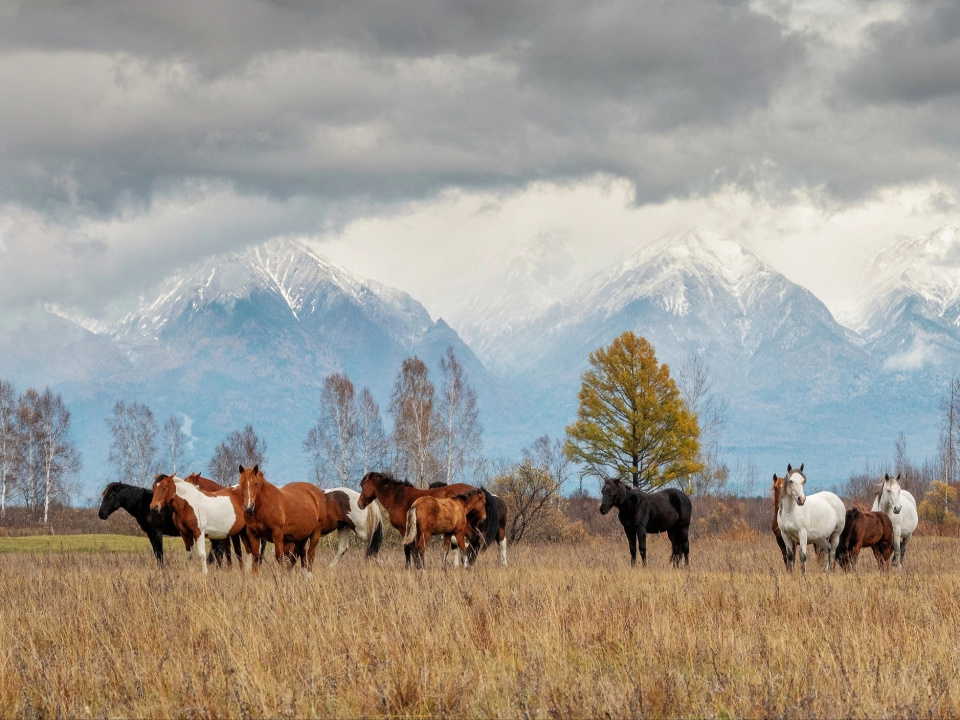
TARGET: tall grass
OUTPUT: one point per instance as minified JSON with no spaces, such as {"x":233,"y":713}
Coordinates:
{"x":564,"y":631}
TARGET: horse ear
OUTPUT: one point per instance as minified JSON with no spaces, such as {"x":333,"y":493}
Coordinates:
{"x":241,"y":468}
{"x":898,"y":477}
{"x":789,"y":468}
{"x":886,"y":477}
{"x":256,"y":469}
{"x":801,"y":467}
{"x":774,"y":477}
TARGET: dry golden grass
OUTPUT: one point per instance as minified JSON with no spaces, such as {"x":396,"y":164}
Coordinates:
{"x":564,"y":631}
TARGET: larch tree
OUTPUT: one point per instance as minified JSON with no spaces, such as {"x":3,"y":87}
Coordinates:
{"x":134,"y":448}
{"x":174,"y":440}
{"x":458,"y":425}
{"x":632,"y":421}
{"x":9,"y":443}
{"x":333,"y":441}
{"x":241,"y":447}
{"x":414,"y":426}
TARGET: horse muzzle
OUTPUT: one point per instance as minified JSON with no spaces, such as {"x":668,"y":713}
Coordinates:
{"x":102,"y":515}
{"x":249,"y":508}
{"x":604,"y":509}
{"x":362,"y":502}
{"x":896,"y":510}
{"x":801,"y":500}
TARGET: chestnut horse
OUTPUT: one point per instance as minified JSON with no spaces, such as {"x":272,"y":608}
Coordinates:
{"x":865,"y":529}
{"x":485,"y":533}
{"x":442,"y":516}
{"x":777,"y":494}
{"x":198,"y":514}
{"x":397,"y":497}
{"x":292,"y":517}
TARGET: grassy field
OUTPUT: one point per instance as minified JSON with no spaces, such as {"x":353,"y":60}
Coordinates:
{"x":564,"y":631}
{"x":84,"y":544}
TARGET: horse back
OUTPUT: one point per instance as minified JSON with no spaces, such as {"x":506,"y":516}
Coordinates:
{"x":665,"y":509}
{"x":304,"y":506}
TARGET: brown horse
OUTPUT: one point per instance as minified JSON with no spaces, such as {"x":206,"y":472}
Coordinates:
{"x":198,"y":514}
{"x":292,"y":517}
{"x":777,"y":495}
{"x":397,"y":496}
{"x":443,"y":516}
{"x":865,"y":529}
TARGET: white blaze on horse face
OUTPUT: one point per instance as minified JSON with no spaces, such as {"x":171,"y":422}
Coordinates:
{"x":793,"y":487}
{"x":893,"y":489}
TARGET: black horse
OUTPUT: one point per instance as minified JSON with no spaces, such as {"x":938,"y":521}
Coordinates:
{"x":666,"y":511}
{"x":136,"y":501}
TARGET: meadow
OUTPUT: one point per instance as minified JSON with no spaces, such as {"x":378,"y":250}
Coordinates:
{"x":563,"y":631}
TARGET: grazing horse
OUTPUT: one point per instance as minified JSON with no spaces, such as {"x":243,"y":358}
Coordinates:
{"x":901,"y":507}
{"x":219,"y":549}
{"x":365,"y":524}
{"x":865,"y":529}
{"x":492,"y":529}
{"x":641,"y":513}
{"x":136,"y":501}
{"x":198,"y":514}
{"x":817,"y":519}
{"x":292,"y":517}
{"x":397,"y":497}
{"x":443,"y":516}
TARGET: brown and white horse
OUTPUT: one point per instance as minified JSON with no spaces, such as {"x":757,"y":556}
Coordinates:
{"x":292,"y":517}
{"x":397,"y":496}
{"x":198,"y":514}
{"x":349,"y":518}
{"x":220,"y":549}
{"x":442,"y":516}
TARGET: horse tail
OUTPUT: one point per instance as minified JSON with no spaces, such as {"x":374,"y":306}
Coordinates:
{"x":490,"y":527}
{"x":411,"y":534}
{"x":374,"y":529}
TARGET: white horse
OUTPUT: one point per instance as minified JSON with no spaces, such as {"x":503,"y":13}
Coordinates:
{"x":366,"y":524}
{"x":817,"y":519}
{"x":901,"y":507}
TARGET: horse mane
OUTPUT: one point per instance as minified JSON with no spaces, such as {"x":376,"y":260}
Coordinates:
{"x":466,"y":495}
{"x":124,"y":490}
{"x":491,"y":525}
{"x":389,"y":479}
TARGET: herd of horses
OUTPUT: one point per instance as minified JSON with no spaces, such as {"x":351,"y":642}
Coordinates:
{"x":245,"y":516}
{"x":295,"y":516}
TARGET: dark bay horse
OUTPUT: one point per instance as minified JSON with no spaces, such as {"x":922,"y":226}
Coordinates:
{"x":492,"y":529}
{"x":442,"y":516}
{"x":666,"y":511}
{"x":865,"y":529}
{"x":136,"y":501}
{"x":397,"y":496}
{"x":292,"y":517}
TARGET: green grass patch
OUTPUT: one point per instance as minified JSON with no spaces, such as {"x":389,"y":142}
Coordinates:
{"x":83,"y":543}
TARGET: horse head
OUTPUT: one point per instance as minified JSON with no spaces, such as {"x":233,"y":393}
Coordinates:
{"x":251,"y":481}
{"x":193,"y":479}
{"x":610,"y":494}
{"x":110,"y":500}
{"x":164,"y":490}
{"x":793,"y":484}
{"x":475,"y":502}
{"x":368,"y":489}
{"x":891,"y":488}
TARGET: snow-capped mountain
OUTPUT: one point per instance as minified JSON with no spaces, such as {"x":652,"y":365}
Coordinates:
{"x":911,"y":308}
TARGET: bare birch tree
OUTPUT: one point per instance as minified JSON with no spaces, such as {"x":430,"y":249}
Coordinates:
{"x":28,"y":471}
{"x":174,"y":440}
{"x":333,"y":440}
{"x":241,"y":447}
{"x":711,"y":411}
{"x":9,"y":444}
{"x":59,"y":457}
{"x":372,"y":441}
{"x":458,"y":426}
{"x":950,"y":430}
{"x":134,"y":448}
{"x":414,"y":428}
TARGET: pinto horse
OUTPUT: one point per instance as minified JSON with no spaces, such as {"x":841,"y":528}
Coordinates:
{"x":365,"y":524}
{"x":817,"y":519}
{"x":292,"y":517}
{"x":397,"y":496}
{"x":666,"y":511}
{"x":136,"y":501}
{"x":198,"y":514}
{"x":865,"y":529}
{"x":442,"y":516}
{"x":492,"y":529}
{"x":219,"y":549}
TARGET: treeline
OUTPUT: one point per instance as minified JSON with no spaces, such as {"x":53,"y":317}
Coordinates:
{"x":38,"y":460}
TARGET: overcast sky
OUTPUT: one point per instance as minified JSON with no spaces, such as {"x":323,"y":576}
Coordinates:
{"x":420,"y":142}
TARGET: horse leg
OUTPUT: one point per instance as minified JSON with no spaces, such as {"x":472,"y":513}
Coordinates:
{"x":201,"y":550}
{"x":343,"y":544}
{"x":502,"y":542}
{"x":255,"y":549}
{"x":803,"y":551}
{"x":632,"y":540}
{"x":903,"y":548}
{"x":642,"y":544}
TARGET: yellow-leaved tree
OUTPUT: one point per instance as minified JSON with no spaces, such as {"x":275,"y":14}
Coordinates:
{"x":632,"y":420}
